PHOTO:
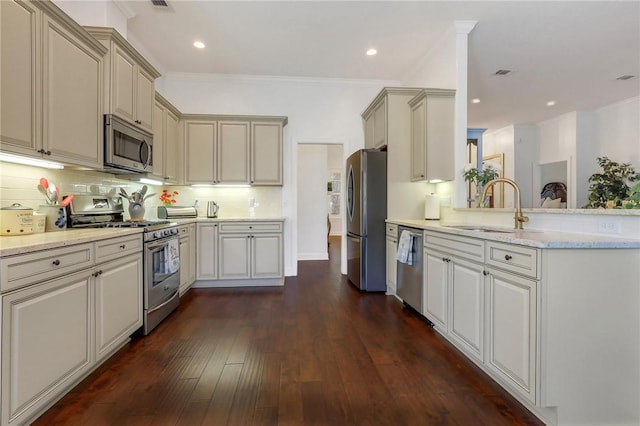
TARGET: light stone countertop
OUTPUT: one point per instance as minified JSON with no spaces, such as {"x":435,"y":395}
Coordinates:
{"x":526,"y":237}
{"x":13,"y":245}
{"x":225,"y":219}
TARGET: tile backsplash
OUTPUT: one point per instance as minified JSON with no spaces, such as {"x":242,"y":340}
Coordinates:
{"x":18,"y":184}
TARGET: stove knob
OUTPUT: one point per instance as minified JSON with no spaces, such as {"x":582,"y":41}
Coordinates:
{"x":157,"y":234}
{"x":166,"y":232}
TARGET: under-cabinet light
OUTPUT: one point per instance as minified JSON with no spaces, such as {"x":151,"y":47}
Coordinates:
{"x":28,"y":161}
{"x":151,"y":181}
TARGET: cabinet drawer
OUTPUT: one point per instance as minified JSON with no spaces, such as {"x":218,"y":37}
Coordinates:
{"x":118,"y":247}
{"x":468,"y":248}
{"x":392,"y":230}
{"x":18,"y":271}
{"x":518,"y":259}
{"x":183,"y":231}
{"x":250,"y":227}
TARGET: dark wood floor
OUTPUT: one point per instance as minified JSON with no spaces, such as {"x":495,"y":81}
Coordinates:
{"x":316,"y":352}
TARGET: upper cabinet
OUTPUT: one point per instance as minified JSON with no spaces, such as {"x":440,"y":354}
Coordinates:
{"x":167,"y":141}
{"x":233,"y":149}
{"x":384,"y":117}
{"x":129,"y":79}
{"x":432,"y":135}
{"x":51,"y":77}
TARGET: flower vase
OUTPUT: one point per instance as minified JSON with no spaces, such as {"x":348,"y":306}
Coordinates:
{"x":479,"y":200}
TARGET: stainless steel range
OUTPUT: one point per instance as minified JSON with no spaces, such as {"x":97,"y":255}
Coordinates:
{"x":161,"y":255}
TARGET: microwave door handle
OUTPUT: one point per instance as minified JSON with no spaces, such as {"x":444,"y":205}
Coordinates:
{"x":148,"y":159}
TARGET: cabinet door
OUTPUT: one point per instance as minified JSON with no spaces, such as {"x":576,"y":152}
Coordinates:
{"x":234,"y":256}
{"x":118,"y":303}
{"x":466,"y":326}
{"x":266,"y":153}
{"x":439,"y":137}
{"x":436,"y":275}
{"x":184,"y":261}
{"x":512,"y":331}
{"x":19,"y":77}
{"x":392,"y":248}
{"x":380,"y":124}
{"x":199,"y":149}
{"x":159,"y":138}
{"x":172,"y":148}
{"x":145,"y":98}
{"x":232,"y":155}
{"x":266,"y":256}
{"x":124,"y":74}
{"x":192,"y":254}
{"x":207,"y":252}
{"x":418,"y":141}
{"x":368,"y":131}
{"x":46,"y":343}
{"x":72,"y":98}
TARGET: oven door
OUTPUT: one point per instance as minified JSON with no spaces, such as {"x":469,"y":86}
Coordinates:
{"x":161,"y":274}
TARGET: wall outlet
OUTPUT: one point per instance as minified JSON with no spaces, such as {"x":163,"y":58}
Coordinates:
{"x":609,"y":226}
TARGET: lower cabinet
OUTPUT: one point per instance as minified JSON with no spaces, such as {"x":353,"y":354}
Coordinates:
{"x":392,"y":265}
{"x":512,"y":330}
{"x":187,"y":257}
{"x":232,"y":254}
{"x":57,"y":328}
{"x":46,"y":343}
{"x":118,"y":301}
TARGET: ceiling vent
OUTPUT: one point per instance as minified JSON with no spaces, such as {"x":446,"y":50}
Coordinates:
{"x":502,"y":72}
{"x":159,"y":3}
{"x":626,"y":77}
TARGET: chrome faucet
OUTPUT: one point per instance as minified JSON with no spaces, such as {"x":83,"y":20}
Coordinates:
{"x":519,"y":218}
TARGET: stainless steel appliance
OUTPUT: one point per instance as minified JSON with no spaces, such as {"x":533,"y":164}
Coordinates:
{"x":366,"y":205}
{"x":161,"y":257}
{"x":409,"y":278}
{"x":177,"y":212}
{"x":212,"y":209}
{"x":127,"y":148}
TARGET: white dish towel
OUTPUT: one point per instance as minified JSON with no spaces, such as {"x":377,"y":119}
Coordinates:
{"x":173,"y":259}
{"x":405,"y":248}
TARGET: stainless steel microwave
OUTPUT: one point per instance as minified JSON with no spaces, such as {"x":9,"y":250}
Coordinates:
{"x":127,"y":148}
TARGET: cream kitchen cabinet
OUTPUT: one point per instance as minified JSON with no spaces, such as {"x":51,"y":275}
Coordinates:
{"x":432,"y":135}
{"x":51,"y":100}
{"x":207,"y":252}
{"x":392,"y":248}
{"x":64,"y":311}
{"x":233,"y":149}
{"x":167,"y":142}
{"x":129,"y":89}
{"x":187,"y":256}
{"x":386,"y":118}
{"x":118,"y":303}
{"x":454,"y":290}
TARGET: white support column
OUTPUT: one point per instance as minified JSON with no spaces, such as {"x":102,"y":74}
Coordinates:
{"x":463,"y":28}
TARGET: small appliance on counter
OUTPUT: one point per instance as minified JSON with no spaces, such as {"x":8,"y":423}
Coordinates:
{"x":16,"y":219}
{"x":212,"y":209}
{"x":432,"y":207}
{"x":177,"y":212}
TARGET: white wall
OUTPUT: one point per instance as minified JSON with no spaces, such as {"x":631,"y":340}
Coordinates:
{"x":312,"y":206}
{"x":618,"y":131}
{"x":96,"y":13}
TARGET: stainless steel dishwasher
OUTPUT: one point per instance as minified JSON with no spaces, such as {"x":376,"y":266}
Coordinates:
{"x":410,"y":280}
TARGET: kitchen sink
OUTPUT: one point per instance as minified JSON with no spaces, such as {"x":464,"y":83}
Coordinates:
{"x":481,"y":228}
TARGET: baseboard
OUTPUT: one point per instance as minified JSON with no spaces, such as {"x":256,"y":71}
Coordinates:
{"x":313,"y":256}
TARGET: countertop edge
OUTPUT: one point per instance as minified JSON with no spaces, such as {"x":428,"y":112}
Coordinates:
{"x":530,"y":238}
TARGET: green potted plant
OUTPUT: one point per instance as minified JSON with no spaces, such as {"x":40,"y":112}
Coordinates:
{"x":610,"y":187}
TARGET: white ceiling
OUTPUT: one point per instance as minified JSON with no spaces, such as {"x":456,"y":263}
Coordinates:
{"x":570,"y":52}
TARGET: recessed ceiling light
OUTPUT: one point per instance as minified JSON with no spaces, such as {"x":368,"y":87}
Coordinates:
{"x":475,"y":101}
{"x":371,"y":52}
{"x":198,"y":44}
{"x":551,"y":103}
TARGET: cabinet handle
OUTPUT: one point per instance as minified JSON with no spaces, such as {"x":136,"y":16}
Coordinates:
{"x":56,"y":262}
{"x":41,"y":151}
{"x":485,"y":273}
{"x":507,"y":257}
{"x":123,"y":246}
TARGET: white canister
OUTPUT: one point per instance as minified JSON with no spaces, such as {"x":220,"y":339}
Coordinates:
{"x":16,"y":220}
{"x":432,"y":207}
{"x":56,"y":217}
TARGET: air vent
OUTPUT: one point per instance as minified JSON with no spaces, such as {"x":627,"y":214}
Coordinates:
{"x":502,"y":72}
{"x":159,"y":3}
{"x":626,"y":77}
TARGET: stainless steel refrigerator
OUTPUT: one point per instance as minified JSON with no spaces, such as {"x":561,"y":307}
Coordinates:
{"x":366,"y":212}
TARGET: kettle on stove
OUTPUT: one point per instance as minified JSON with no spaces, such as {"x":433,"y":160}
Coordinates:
{"x":212,"y":209}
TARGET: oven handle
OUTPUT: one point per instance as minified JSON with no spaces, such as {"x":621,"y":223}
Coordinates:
{"x":161,"y":243}
{"x":176,"y":294}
